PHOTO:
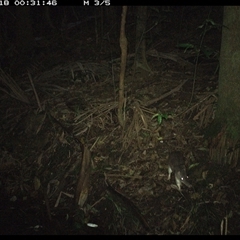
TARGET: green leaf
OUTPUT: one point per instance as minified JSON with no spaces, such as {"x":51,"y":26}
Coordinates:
{"x":208,"y":51}
{"x":193,"y":165}
{"x":186,"y":45}
{"x":160,"y":117}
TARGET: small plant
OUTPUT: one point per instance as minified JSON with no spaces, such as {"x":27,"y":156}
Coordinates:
{"x":160,"y":117}
{"x":208,"y":52}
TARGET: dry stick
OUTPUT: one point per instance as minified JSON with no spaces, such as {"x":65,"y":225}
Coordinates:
{"x":35,"y":92}
{"x":165,"y":94}
{"x":17,"y":92}
{"x":211,"y":94}
{"x":82,"y":188}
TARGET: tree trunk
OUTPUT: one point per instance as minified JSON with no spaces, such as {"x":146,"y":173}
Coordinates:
{"x":123,"y":46}
{"x":24,"y":37}
{"x":140,"y":60}
{"x":225,"y":130}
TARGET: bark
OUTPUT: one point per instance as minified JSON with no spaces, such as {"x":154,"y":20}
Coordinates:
{"x":225,"y":130}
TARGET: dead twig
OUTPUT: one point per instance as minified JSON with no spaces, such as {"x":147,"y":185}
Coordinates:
{"x":35,"y":92}
{"x":16,"y":91}
{"x":83,"y":179}
{"x":177,"y":88}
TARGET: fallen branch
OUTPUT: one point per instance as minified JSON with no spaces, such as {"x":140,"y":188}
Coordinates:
{"x":148,"y":103}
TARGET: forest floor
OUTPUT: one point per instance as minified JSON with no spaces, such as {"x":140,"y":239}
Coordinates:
{"x":67,"y":167}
